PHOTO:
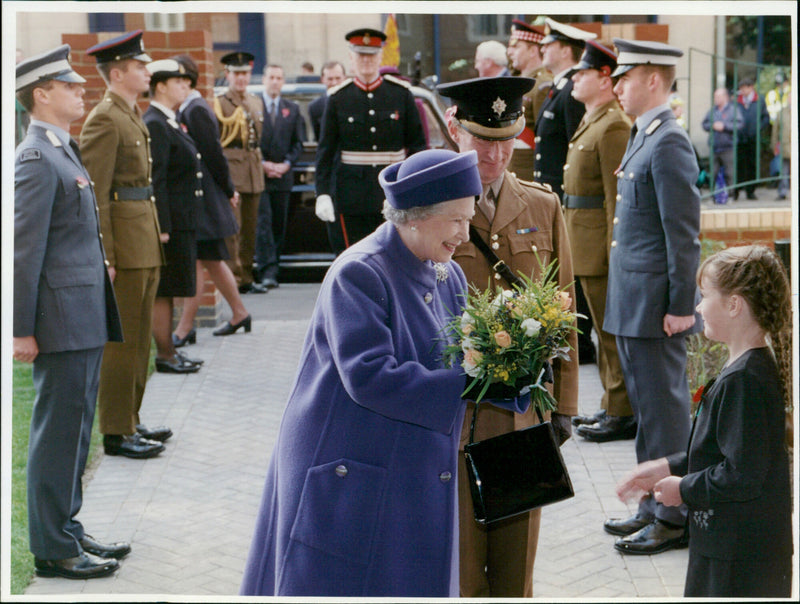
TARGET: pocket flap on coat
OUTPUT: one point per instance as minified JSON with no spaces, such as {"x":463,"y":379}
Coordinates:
{"x":70,"y":276}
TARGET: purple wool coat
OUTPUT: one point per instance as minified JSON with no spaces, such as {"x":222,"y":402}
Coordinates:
{"x":360,"y":496}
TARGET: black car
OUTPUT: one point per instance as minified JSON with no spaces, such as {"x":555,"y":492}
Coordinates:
{"x":307,"y":253}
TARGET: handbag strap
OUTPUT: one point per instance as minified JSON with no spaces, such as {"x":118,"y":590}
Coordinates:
{"x":495,"y":262}
{"x":475,"y":415}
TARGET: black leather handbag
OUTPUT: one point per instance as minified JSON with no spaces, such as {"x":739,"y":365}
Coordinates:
{"x":515,"y":472}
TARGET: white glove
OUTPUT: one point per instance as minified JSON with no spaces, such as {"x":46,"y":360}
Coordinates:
{"x":324,"y":208}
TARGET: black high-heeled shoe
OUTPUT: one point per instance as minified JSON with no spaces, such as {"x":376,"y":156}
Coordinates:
{"x":229,"y":328}
{"x":189,"y":338}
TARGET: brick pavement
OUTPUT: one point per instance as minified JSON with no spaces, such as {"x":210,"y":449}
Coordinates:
{"x":189,"y":513}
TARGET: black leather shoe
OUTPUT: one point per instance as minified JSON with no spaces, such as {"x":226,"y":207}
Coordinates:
{"x":609,"y":428}
{"x":182,"y":356}
{"x":269,"y":282}
{"x":580,"y":420}
{"x":84,"y":566}
{"x":133,"y":446}
{"x":116,"y":550}
{"x":655,"y":538}
{"x":177,"y":364}
{"x":626,"y":526}
{"x":159,"y":433}
{"x":189,"y":338}
{"x":229,"y":328}
{"x":586,"y":354}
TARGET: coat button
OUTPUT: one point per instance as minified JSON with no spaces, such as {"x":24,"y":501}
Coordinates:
{"x":630,"y":174}
{"x":495,"y":246}
{"x":152,"y":198}
{"x":199,"y":156}
{"x":107,"y":263}
{"x":374,"y":147}
{"x":620,"y":175}
{"x":616,"y":220}
{"x":199,"y":175}
{"x":495,"y":237}
{"x":150,"y":159}
{"x":428,"y":298}
{"x":614,"y":243}
{"x":372,"y":112}
{"x":619,"y":197}
{"x":538,"y":156}
{"x":341,"y":471}
{"x":497,"y":277}
{"x":580,"y":147}
{"x":445,"y":476}
{"x":350,"y":119}
{"x":537,"y":139}
{"x":138,"y":143}
{"x":566,"y":167}
{"x":370,"y":95}
{"x":372,"y":129}
{"x":571,"y":145}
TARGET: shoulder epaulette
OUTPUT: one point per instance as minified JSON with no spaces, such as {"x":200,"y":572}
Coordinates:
{"x":536,"y":185}
{"x":334,"y":89}
{"x":394,"y":79}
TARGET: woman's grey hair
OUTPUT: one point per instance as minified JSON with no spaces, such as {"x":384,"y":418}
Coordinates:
{"x":417,"y":213}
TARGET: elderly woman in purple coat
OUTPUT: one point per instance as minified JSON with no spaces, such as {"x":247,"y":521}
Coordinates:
{"x":360,"y":496}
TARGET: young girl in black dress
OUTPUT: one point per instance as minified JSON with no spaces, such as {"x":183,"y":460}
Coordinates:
{"x":735,"y":476}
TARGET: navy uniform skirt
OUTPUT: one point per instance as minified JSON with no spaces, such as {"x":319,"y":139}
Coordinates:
{"x":178,"y":278}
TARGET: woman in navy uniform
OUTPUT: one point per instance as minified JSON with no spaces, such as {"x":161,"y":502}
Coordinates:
{"x":177,"y":183}
{"x":370,"y":121}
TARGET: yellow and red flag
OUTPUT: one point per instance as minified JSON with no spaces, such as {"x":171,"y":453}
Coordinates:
{"x":391,"y":49}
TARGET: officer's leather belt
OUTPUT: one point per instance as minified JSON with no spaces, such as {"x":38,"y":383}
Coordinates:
{"x":131,"y":193}
{"x":583,"y":202}
{"x":370,"y":158}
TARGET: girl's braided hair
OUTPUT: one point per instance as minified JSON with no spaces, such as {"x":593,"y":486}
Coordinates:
{"x":757,"y":274}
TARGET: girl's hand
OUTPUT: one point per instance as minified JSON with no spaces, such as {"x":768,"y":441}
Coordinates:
{"x":668,"y":491}
{"x":640,"y":481}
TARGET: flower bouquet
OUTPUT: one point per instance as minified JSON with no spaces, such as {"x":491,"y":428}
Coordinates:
{"x":506,"y":339}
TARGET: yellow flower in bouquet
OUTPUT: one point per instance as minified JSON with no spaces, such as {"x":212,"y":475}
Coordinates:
{"x":510,"y":337}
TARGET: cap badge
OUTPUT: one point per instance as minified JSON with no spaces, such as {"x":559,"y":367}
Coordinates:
{"x":499,"y":106}
{"x":366,"y":39}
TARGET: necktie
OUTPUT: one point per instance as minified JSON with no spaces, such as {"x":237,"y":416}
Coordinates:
{"x":273,"y":110}
{"x":74,"y":146}
{"x":487,"y":205}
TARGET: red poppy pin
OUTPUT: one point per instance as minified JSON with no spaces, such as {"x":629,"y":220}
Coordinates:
{"x":82,"y":182}
{"x":285,"y":112}
{"x":395,"y":115}
{"x":698,"y":394}
{"x":184,"y":128}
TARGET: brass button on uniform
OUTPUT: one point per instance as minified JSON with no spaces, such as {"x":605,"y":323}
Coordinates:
{"x":614,"y":243}
{"x":428,"y":298}
{"x":445,"y":476}
{"x":495,"y":237}
{"x":616,"y":219}
{"x":495,"y":246}
{"x":341,"y":471}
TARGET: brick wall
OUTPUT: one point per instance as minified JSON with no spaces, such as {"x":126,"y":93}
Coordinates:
{"x":742,"y":227}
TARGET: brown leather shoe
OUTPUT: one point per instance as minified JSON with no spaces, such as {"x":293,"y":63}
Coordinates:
{"x":655,"y":538}
{"x":626,"y":526}
{"x":84,"y":566}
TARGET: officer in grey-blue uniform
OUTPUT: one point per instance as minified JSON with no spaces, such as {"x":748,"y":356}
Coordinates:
{"x":64,"y":313}
{"x":651,"y":299}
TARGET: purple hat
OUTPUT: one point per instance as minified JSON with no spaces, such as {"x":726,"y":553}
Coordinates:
{"x":430,"y":177}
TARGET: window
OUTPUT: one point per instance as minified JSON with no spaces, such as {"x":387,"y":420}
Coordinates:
{"x":163,"y":21}
{"x":488,"y":27}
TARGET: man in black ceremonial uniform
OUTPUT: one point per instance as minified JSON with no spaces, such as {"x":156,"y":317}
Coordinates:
{"x":370,"y":121}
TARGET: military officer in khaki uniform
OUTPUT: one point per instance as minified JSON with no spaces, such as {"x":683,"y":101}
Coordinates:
{"x":115,"y":146}
{"x":241,"y":117}
{"x":525,"y":53}
{"x":518,"y":220}
{"x":590,"y":191}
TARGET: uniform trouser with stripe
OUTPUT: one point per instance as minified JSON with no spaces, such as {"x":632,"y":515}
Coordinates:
{"x":655,"y":375}
{"x":61,"y":428}
{"x":123,"y":374}
{"x":615,"y":396}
